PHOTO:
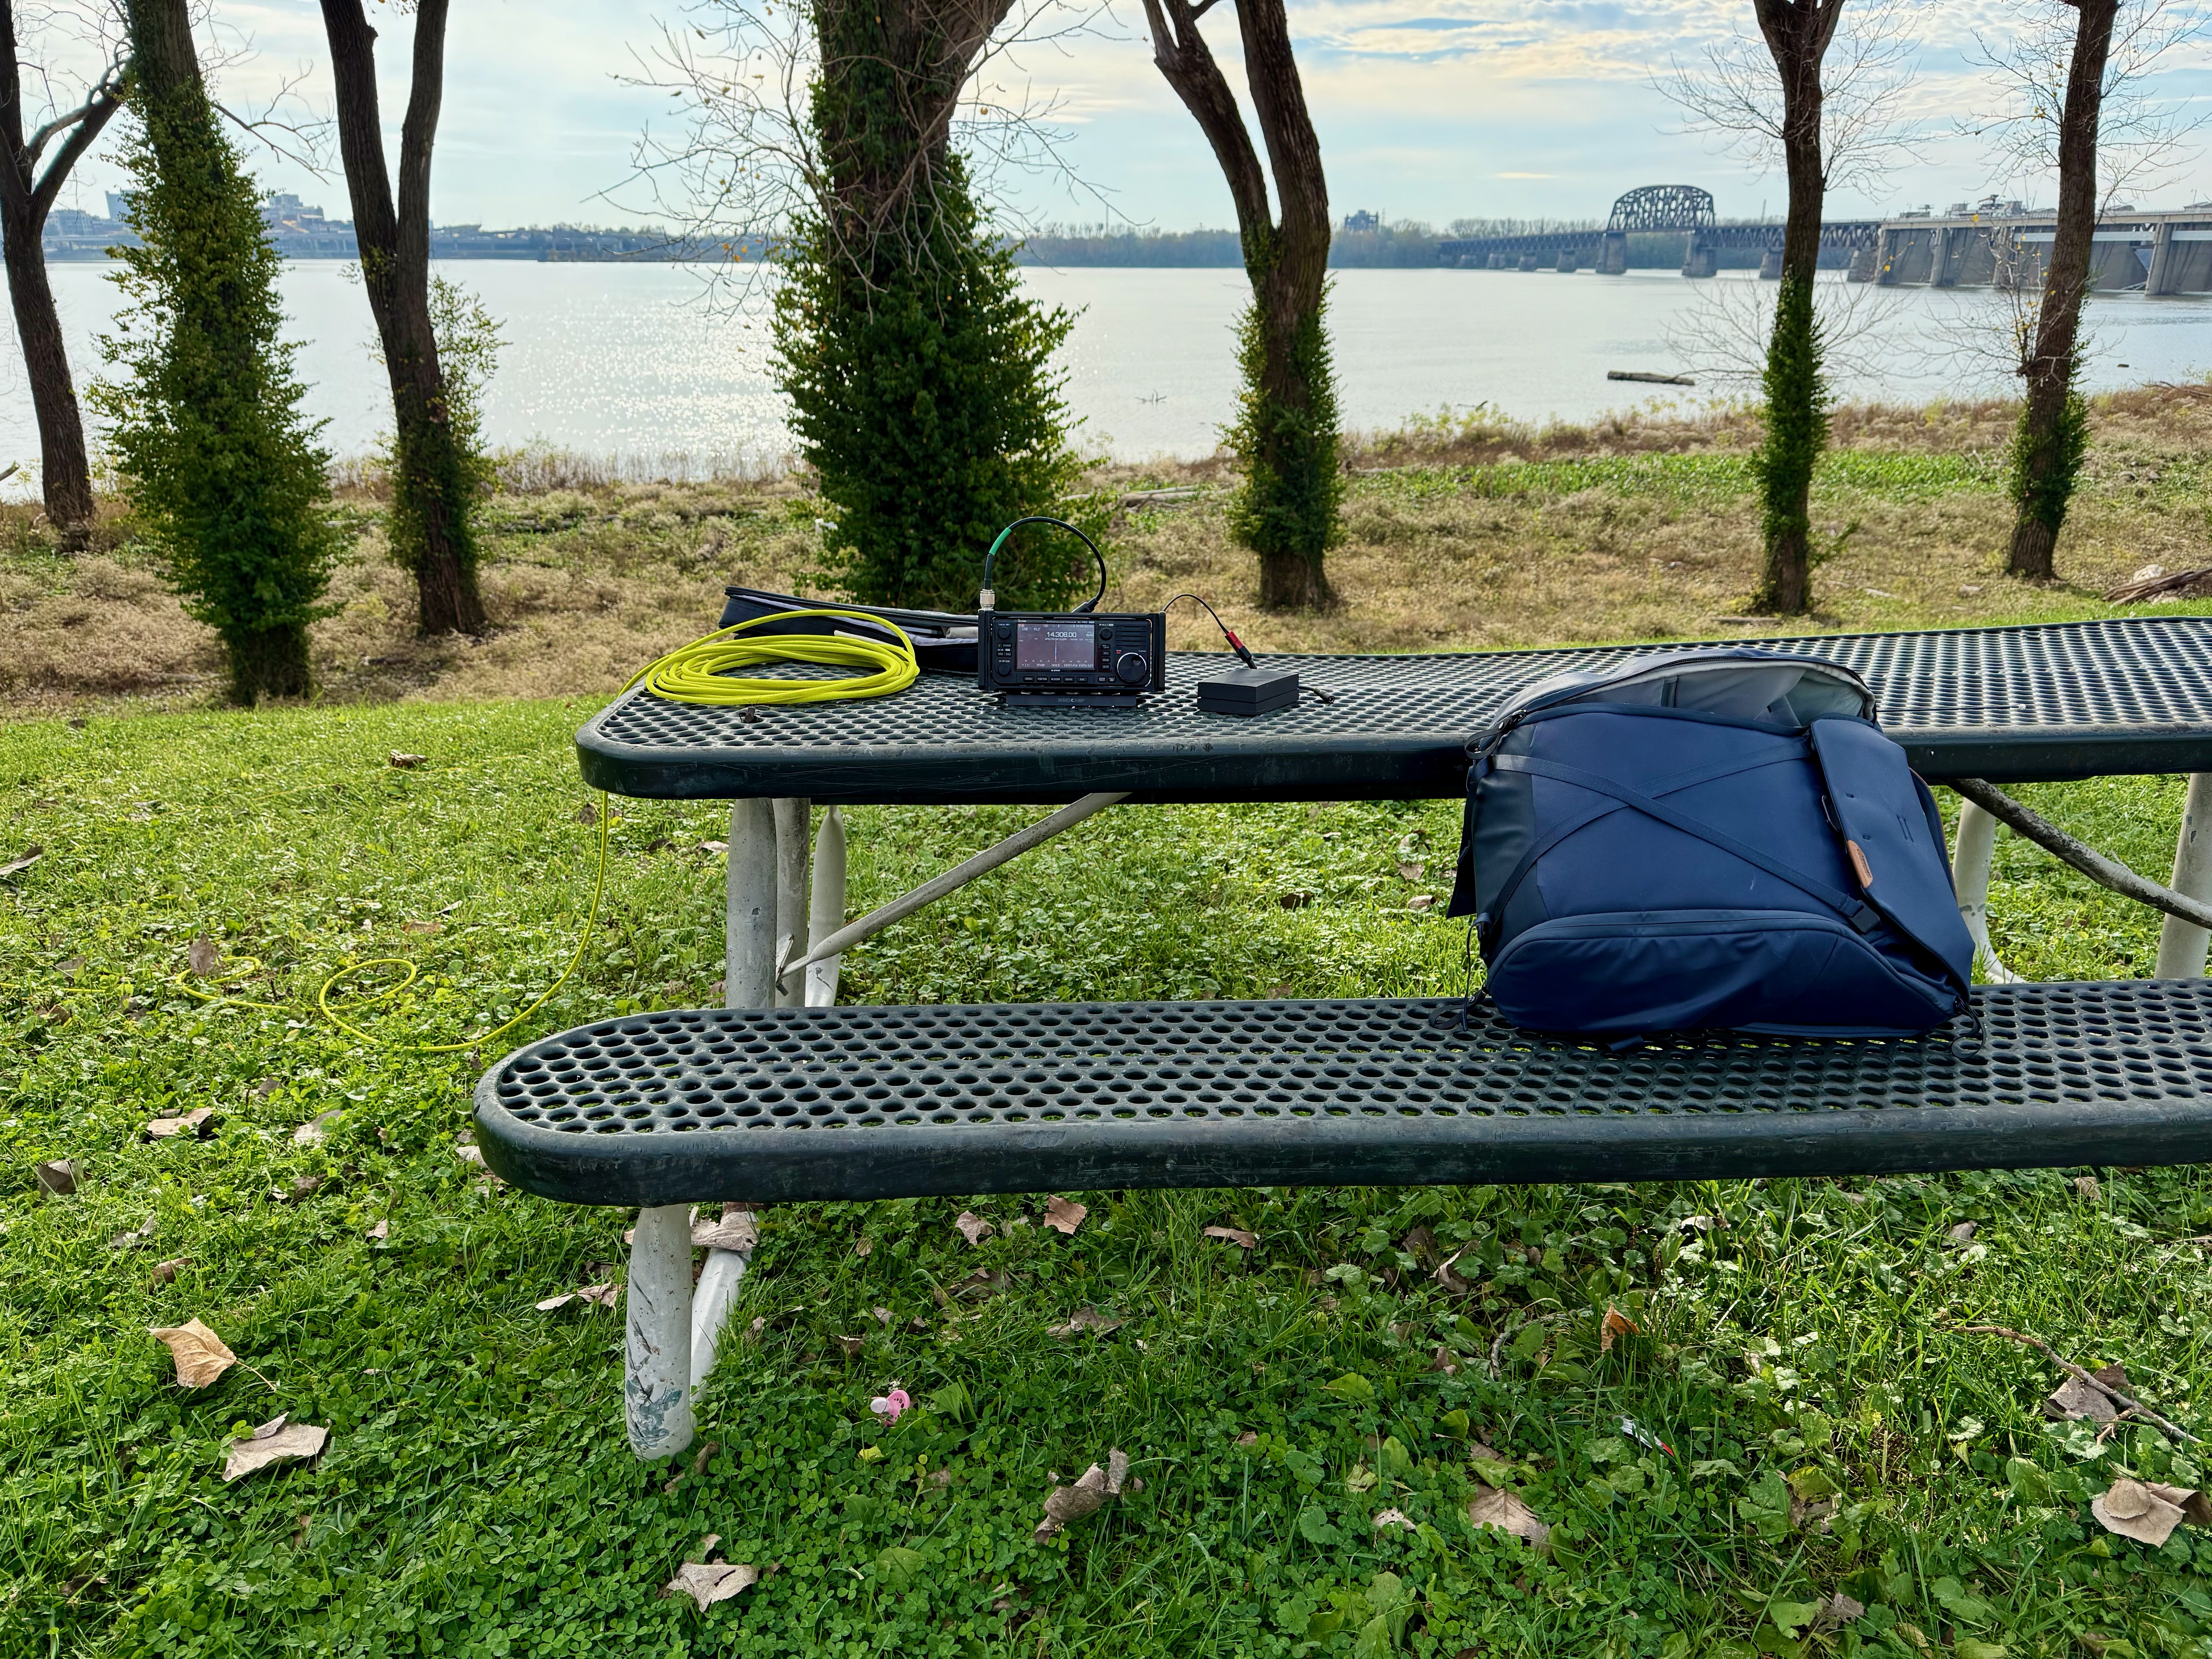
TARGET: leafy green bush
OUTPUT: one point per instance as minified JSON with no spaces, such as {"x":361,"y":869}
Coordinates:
{"x":204,"y":422}
{"x":1286,"y":511}
{"x":924,"y":397}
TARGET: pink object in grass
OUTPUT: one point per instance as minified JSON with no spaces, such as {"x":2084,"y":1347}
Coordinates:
{"x":889,"y":1406}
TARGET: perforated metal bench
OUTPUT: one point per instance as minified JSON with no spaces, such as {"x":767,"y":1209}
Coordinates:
{"x":769,"y":1106}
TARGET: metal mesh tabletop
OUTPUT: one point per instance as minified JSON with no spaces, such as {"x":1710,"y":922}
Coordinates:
{"x":2010,"y":704}
{"x":879,"y":1102}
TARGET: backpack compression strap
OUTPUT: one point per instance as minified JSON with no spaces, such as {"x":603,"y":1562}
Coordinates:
{"x":1861,"y":915}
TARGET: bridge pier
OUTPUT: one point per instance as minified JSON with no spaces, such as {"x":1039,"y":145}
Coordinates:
{"x":1699,"y":260}
{"x":1613,"y":254}
{"x":1770,"y":265}
{"x":1566,"y":259}
{"x":1527,"y":262}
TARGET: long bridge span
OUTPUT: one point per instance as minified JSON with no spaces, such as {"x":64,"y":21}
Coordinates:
{"x":1677,"y":208}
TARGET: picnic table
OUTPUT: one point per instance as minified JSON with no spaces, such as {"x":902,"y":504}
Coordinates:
{"x":780,"y":1096}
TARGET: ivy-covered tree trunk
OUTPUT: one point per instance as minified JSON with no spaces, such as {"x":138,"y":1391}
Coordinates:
{"x":2054,"y":426}
{"x":919,"y":375}
{"x":1797,"y":34}
{"x":205,"y":422}
{"x":433,"y":478}
{"x":1285,"y":431}
{"x":26,"y":194}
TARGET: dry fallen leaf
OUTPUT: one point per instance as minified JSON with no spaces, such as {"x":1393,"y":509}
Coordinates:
{"x":1961,"y":1233}
{"x":165,"y":1273}
{"x":2148,"y":1512}
{"x":15,"y":866}
{"x":132,"y":1238}
{"x":1837,"y":1609}
{"x":1412,"y":871}
{"x":1614,"y":1326}
{"x":267,"y":1086}
{"x":1087,"y":1319}
{"x":407,"y":762}
{"x":1064,"y":1215}
{"x":850,"y":1347}
{"x":276,"y":1441}
{"x":588,"y":815}
{"x":1237,"y":1235}
{"x":973,"y":1227}
{"x":736,"y":1230}
{"x":1453,"y":1283}
{"x":2087,"y":1187}
{"x":2074,"y":1399}
{"x":551,"y":1303}
{"x":202,"y":956}
{"x":200,"y":1355}
{"x":414,"y":926}
{"x":863,"y":1248}
{"x":1479,"y":1452}
{"x":316,"y":1129}
{"x":1066,"y":1504}
{"x":1420,"y":901}
{"x":302,"y":1187}
{"x":381,"y":1231}
{"x":605,"y":1295}
{"x":1494,"y":1507}
{"x":200,"y":1121}
{"x":1393,"y":1518}
{"x":709,"y":1583}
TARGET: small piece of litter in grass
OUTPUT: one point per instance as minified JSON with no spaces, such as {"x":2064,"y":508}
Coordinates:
{"x":1393,"y":1518}
{"x":973,"y":1227}
{"x":1493,"y":1506}
{"x":381,"y":1231}
{"x":889,"y":1404}
{"x":1237,"y":1235}
{"x":1614,"y":1326}
{"x":200,"y":1354}
{"x":707,"y":1583}
{"x":203,"y":958}
{"x":407,"y":762}
{"x":1064,"y":1215}
{"x":2074,"y":1399}
{"x":133,"y":1237}
{"x":736,"y":1230}
{"x":2148,"y":1512}
{"x":316,"y":1129}
{"x":1962,"y":1232}
{"x":165,"y":1273}
{"x":200,"y":1121}
{"x":1087,"y":1319}
{"x":15,"y":866}
{"x":276,"y":1441}
{"x":2087,"y":1187}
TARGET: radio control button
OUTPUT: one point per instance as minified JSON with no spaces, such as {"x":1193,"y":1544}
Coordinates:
{"x":1131,"y":668}
{"x":1006,"y":631}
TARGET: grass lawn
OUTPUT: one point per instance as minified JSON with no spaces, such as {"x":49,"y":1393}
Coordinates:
{"x":1793,"y":1340}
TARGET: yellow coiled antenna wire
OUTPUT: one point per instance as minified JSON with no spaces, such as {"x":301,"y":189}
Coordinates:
{"x":703,"y":672}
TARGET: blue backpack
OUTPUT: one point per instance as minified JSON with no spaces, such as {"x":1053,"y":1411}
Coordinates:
{"x":1708,"y":839}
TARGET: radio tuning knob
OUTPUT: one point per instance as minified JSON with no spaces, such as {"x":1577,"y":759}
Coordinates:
{"x":1131,"y":668}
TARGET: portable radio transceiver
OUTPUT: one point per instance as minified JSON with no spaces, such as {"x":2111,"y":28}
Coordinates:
{"x":1067,"y":660}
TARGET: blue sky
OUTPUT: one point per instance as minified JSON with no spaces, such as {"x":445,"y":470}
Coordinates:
{"x":1427,"y":109}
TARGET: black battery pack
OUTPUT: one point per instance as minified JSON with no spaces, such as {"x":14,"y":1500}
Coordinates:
{"x":1248,"y":691}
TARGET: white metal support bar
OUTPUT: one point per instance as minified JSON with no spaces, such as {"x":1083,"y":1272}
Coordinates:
{"x":715,"y":1294}
{"x":826,"y":913}
{"x":657,"y":1354}
{"x":1969,"y":874}
{"x":790,"y":895}
{"x":953,"y":880}
{"x":749,"y":932}
{"x":2181,"y":944}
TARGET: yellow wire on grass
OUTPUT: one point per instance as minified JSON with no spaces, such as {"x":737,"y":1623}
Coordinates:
{"x":699,"y":673}
{"x":704,"y":672}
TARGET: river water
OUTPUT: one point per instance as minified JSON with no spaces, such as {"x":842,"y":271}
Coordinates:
{"x":636,"y":361}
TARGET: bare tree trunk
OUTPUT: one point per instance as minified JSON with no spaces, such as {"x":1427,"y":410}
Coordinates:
{"x":1797,"y":34}
{"x":2047,"y":450}
{"x":432,"y":482}
{"x":26,"y":197}
{"x":1287,"y":513}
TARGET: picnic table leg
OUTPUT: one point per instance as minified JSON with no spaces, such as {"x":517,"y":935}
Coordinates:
{"x":2181,"y":944}
{"x":791,"y":896}
{"x":657,"y":1355}
{"x":826,"y":913}
{"x":749,"y":977}
{"x":712,"y":1299}
{"x":1969,"y":874}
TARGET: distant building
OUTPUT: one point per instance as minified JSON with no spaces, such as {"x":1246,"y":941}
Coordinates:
{"x":1363,"y":220}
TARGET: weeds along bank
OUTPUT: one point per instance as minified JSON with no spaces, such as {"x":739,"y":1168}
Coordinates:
{"x":1461,"y":534}
{"x":475,"y":1495}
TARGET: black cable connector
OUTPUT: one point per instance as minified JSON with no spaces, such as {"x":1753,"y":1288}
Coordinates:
{"x":1227,"y":632}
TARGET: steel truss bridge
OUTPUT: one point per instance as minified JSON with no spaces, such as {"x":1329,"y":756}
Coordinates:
{"x":1667,"y":208}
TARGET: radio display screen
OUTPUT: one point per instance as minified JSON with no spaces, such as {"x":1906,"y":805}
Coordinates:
{"x":1072,"y":644}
